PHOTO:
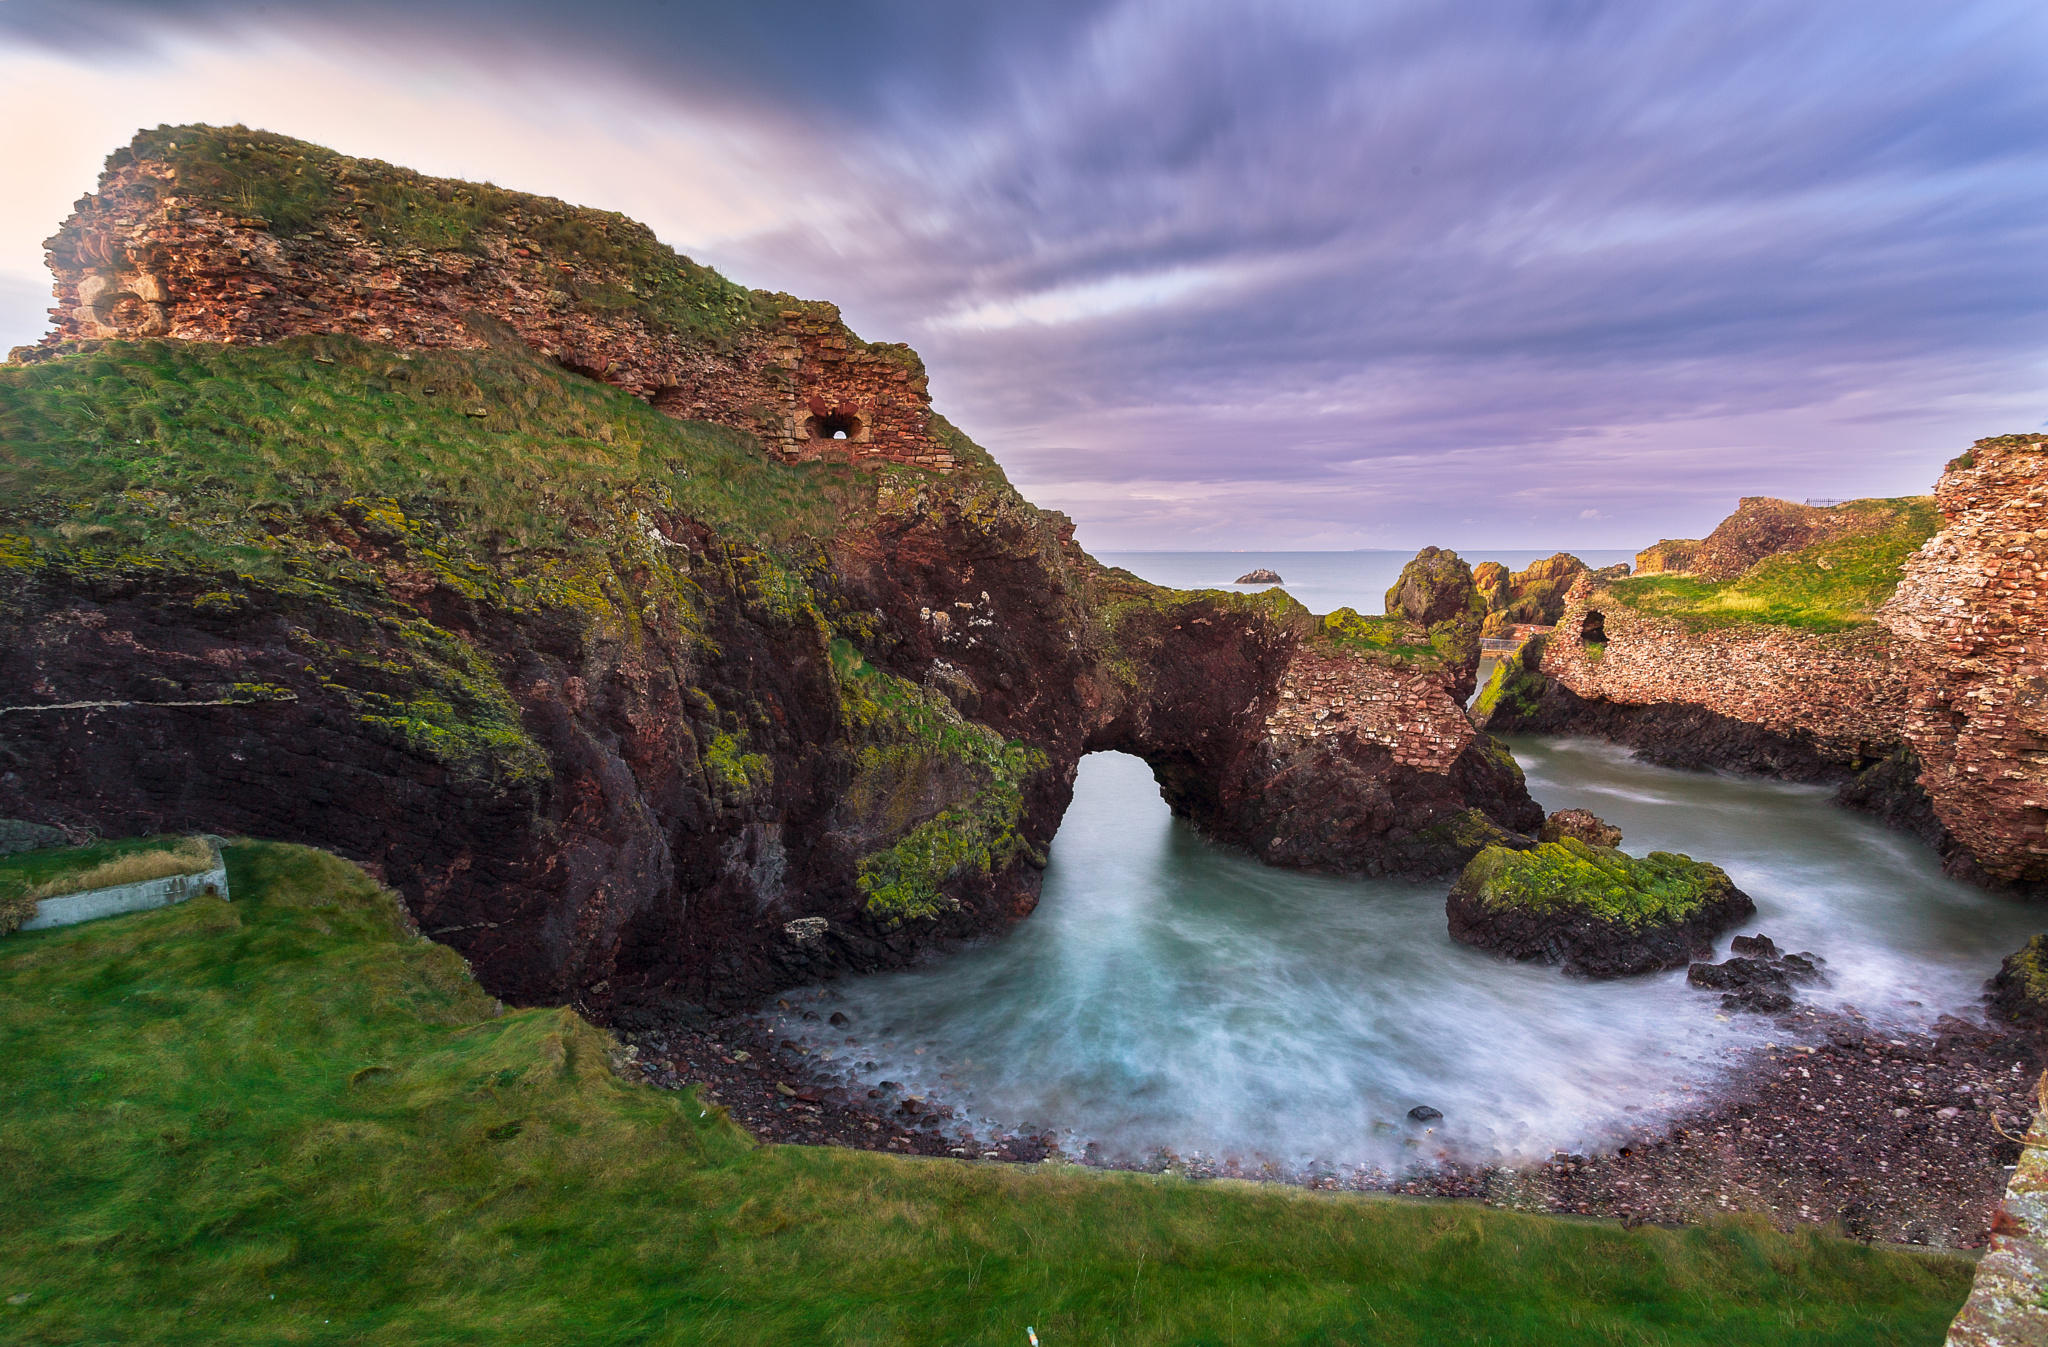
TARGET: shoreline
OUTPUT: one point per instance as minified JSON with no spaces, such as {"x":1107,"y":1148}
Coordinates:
{"x":1891,"y":1137}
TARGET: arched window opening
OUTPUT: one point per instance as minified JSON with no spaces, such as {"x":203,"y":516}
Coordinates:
{"x":834,"y":426}
{"x":1593,"y":630}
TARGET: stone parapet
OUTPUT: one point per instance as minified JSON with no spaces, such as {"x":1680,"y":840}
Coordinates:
{"x":1332,"y":695}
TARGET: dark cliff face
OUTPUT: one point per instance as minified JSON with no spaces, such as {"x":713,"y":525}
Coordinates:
{"x":633,"y":711}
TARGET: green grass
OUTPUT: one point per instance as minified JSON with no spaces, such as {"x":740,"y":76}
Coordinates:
{"x":1830,"y":586}
{"x":1568,"y":876}
{"x":283,"y":1120}
{"x":36,"y":870}
{"x":1394,"y":639}
{"x":479,"y":460}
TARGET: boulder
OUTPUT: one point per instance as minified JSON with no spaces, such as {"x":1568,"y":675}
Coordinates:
{"x":2019,"y":990}
{"x":1490,"y":578}
{"x":1594,"y":910}
{"x":1536,"y":595}
{"x":1261,"y":576}
{"x":1582,"y":824}
{"x":1759,"y":978}
{"x":19,"y":835}
{"x":1436,"y":587}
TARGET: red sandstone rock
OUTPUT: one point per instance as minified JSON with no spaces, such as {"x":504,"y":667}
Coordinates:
{"x":152,"y":255}
{"x":1970,"y":614}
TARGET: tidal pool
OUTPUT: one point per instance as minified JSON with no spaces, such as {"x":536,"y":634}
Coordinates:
{"x":1171,"y":994}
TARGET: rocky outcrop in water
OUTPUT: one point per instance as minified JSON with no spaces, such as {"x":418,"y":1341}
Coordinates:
{"x":524,"y":598}
{"x":1759,"y":977}
{"x":1582,"y":824}
{"x":1261,"y":576}
{"x":1594,"y":910}
{"x":2019,"y":990}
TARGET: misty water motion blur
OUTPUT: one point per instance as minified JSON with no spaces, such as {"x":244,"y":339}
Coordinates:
{"x":1172,"y":994}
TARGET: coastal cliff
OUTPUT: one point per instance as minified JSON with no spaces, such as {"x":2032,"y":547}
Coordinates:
{"x":652,"y":636}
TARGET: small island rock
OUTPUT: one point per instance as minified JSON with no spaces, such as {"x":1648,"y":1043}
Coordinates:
{"x":1588,"y":827}
{"x":1594,"y":910}
{"x":1261,"y":576}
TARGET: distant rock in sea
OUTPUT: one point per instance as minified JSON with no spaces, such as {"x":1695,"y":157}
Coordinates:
{"x":1261,"y":576}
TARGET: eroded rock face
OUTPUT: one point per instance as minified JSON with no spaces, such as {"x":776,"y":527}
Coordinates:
{"x":1969,"y":614}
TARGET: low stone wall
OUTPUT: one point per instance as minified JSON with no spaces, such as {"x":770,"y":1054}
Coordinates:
{"x":2008,"y":1304}
{"x":72,"y":908}
{"x":1844,"y":692}
{"x":1969,"y":612}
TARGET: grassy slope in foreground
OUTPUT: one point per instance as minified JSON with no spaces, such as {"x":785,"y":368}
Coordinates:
{"x":282,"y":1120}
{"x":1830,"y":586}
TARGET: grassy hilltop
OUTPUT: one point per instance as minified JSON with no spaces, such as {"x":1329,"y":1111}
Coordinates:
{"x":1831,"y":585}
{"x":286,"y":1120}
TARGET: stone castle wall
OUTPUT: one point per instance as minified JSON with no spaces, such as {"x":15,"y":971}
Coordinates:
{"x":141,"y":258}
{"x":1970,"y":613}
{"x":1845,"y":692}
{"x":1325,"y":695}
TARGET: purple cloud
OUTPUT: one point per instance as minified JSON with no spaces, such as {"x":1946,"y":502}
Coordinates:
{"x":1264,"y":275}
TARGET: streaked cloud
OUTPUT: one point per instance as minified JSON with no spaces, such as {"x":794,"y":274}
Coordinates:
{"x":1235,"y":274}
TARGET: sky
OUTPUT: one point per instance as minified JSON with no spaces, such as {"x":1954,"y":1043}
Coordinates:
{"x":1367,"y":273}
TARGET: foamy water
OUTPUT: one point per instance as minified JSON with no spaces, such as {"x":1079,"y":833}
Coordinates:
{"x":1172,"y":994}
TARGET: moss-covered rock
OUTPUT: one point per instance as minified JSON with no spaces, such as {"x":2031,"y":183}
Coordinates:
{"x":1536,"y":595}
{"x":1436,"y":587}
{"x":1514,"y":691}
{"x":1490,"y":578}
{"x":1594,"y":910}
{"x":2019,"y":990}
